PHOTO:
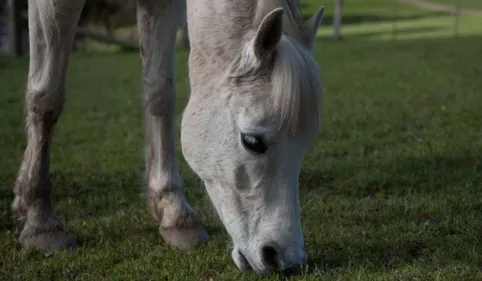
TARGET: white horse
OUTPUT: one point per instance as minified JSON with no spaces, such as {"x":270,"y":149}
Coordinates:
{"x":253,"y":111}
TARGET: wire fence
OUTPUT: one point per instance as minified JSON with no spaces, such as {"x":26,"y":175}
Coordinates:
{"x":453,"y":7}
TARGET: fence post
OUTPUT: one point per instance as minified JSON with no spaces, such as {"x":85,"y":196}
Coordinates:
{"x":337,"y":18}
{"x":395,"y":20}
{"x":457,"y":17}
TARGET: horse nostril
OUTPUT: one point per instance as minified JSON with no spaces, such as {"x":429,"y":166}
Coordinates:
{"x":270,"y":257}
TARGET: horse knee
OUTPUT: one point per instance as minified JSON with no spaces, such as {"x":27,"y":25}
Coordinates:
{"x":45,"y":102}
{"x":159,"y":97}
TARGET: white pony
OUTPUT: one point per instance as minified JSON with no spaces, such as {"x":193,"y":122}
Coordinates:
{"x":253,"y":111}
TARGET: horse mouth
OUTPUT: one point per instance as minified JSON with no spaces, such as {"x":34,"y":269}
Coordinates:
{"x":245,"y":261}
{"x":244,"y":266}
{"x":241,"y":261}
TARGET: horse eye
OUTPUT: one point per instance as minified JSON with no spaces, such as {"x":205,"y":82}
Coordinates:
{"x":253,"y":143}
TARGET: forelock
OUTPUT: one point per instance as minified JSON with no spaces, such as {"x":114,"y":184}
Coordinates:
{"x":294,"y":77}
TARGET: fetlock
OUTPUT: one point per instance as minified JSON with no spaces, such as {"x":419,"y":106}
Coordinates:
{"x":179,"y":224}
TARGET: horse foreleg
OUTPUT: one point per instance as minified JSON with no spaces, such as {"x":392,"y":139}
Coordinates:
{"x":52,"y":26}
{"x":180,"y":226}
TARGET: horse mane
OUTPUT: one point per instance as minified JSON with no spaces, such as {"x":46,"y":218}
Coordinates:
{"x":296,"y":94}
{"x":296,"y":90}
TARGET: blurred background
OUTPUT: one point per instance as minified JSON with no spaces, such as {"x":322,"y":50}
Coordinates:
{"x":111,"y":23}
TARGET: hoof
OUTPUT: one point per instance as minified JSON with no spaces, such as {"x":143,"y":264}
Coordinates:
{"x":185,"y":238}
{"x":46,"y":241}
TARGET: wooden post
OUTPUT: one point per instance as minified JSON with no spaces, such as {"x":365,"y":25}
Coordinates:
{"x":395,"y":20}
{"x":457,"y":17}
{"x":15,"y":30}
{"x":337,"y":19}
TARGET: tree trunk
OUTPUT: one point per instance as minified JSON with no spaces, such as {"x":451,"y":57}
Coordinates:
{"x":184,"y":29}
{"x":184,"y":35}
{"x":15,"y":30}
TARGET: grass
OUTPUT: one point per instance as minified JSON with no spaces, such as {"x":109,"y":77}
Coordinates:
{"x":389,"y":20}
{"x":390,"y":190}
{"x":467,"y":4}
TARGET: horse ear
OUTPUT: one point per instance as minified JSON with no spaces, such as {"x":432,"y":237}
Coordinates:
{"x":269,"y":33}
{"x":311,"y":26}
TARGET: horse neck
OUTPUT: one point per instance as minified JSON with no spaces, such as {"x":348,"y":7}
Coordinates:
{"x":218,"y":28}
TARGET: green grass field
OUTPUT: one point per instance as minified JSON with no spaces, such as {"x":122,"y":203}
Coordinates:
{"x":467,"y":4}
{"x":391,"y":190}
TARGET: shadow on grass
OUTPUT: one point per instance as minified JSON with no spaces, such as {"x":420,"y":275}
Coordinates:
{"x":101,"y":193}
{"x":373,"y":255}
{"x":149,"y":232}
{"x":430,"y":231}
{"x":411,"y":174}
{"x":103,"y":196}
